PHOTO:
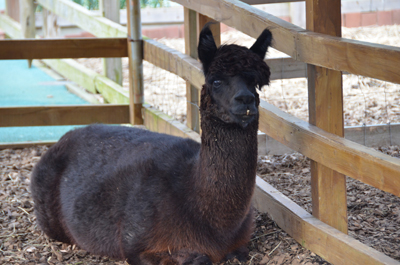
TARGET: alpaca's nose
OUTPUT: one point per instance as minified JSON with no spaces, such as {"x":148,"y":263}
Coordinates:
{"x":245,"y":97}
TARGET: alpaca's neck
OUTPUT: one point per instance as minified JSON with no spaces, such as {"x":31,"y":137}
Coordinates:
{"x":226,"y":174}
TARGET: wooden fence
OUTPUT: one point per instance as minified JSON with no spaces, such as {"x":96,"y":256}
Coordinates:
{"x":322,"y":140}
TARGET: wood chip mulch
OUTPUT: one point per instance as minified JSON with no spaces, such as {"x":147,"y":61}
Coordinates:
{"x":374,"y":216}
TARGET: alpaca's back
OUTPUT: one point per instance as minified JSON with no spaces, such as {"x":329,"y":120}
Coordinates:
{"x":111,"y":181}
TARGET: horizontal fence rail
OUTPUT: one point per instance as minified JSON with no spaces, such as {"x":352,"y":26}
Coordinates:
{"x":303,"y":45}
{"x":157,"y":121}
{"x":369,"y":166}
{"x":79,"y":15}
{"x":174,"y":61}
{"x":349,"y":158}
{"x":63,"y":48}
{"x":64,"y":115}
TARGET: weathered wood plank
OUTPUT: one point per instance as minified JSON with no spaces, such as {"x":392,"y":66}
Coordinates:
{"x":71,"y":87}
{"x":174,"y":61}
{"x":157,"y":121}
{"x":314,"y":48}
{"x":111,"y":91}
{"x":79,"y":15}
{"x":249,"y":20}
{"x":50,"y":28}
{"x":351,"y":159}
{"x":90,"y":80}
{"x":63,"y":115}
{"x":369,"y":136}
{"x":63,"y":48}
{"x":190,"y":69}
{"x":10,"y":27}
{"x":12,"y":9}
{"x":260,"y":2}
{"x":192,"y":93}
{"x":112,"y":67}
{"x":324,"y":240}
{"x":27,"y":20}
{"x":285,"y":68}
{"x":356,"y":57}
{"x":74,"y":71}
{"x":328,"y":187}
{"x":374,"y":135}
{"x":215,"y":27}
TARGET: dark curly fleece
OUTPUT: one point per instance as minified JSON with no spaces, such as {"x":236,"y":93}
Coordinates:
{"x":234,"y":60}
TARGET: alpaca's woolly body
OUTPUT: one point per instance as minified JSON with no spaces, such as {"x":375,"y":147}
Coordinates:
{"x":157,"y":199}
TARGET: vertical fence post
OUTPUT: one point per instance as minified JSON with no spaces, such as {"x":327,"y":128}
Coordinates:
{"x":135,"y":53}
{"x":12,"y":9}
{"x":192,"y":94}
{"x":27,"y":20}
{"x":194,"y":22}
{"x":112,"y":66}
{"x":326,"y":111}
{"x":215,"y":27}
{"x":50,"y":28}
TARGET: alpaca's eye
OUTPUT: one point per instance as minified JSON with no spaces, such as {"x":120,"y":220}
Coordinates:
{"x":217,"y":83}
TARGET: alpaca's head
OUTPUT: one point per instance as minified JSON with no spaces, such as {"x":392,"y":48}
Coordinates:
{"x":233,"y":74}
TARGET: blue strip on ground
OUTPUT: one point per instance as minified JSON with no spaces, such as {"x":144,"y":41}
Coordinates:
{"x":24,"y":86}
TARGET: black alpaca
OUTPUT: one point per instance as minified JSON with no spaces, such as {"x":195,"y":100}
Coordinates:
{"x":151,"y":198}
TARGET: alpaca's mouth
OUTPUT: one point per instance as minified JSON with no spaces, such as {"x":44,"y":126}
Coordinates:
{"x":244,"y":119}
{"x":245,"y":115}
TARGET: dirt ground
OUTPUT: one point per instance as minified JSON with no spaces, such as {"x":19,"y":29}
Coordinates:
{"x":374,"y":216}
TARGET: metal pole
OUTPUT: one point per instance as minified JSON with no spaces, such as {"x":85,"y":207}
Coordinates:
{"x":135,"y":51}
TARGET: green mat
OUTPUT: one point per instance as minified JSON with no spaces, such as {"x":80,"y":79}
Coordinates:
{"x":24,"y":86}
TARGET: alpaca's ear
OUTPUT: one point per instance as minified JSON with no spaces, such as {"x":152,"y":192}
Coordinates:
{"x":207,"y":47}
{"x":260,"y":47}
